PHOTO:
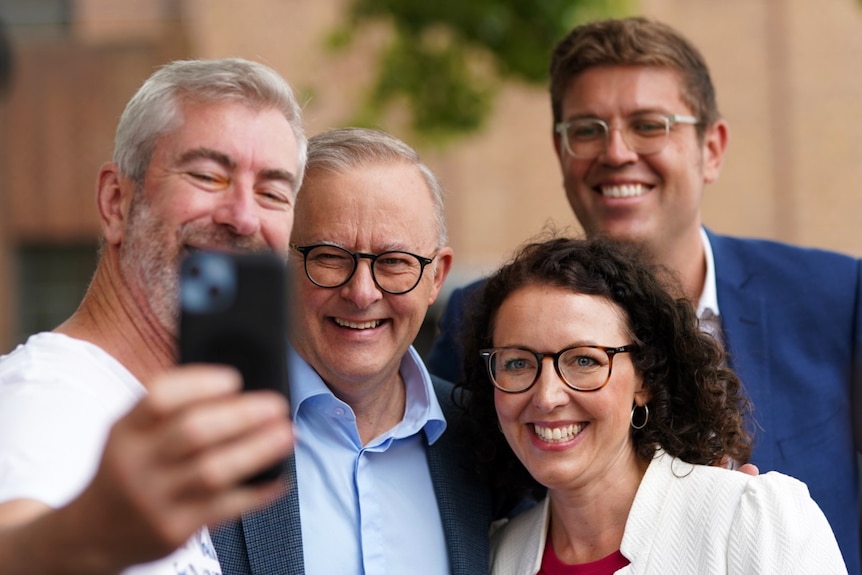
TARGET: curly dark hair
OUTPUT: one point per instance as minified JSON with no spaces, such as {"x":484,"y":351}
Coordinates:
{"x":697,"y":407}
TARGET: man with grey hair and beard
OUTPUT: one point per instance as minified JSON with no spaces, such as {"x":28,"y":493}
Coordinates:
{"x":110,"y":455}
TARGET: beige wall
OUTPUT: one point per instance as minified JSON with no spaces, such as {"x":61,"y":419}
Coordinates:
{"x":785,"y":70}
{"x":786,"y":76}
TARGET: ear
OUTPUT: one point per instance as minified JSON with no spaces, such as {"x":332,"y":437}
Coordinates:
{"x":714,"y":145}
{"x":113,"y":198}
{"x":441,"y":271}
{"x":642,"y":396}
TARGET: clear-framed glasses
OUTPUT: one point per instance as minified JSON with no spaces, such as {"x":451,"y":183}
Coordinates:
{"x":583,"y":368}
{"x":644,"y":134}
{"x":394,"y":272}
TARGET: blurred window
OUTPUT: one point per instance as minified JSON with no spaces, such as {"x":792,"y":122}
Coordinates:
{"x":52,"y":280}
{"x":23,"y":15}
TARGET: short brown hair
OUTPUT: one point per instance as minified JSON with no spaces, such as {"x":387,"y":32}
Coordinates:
{"x":634,"y":42}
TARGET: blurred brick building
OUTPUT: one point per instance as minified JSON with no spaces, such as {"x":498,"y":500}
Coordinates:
{"x":786,"y":73}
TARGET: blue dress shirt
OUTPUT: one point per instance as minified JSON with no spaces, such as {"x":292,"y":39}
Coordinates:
{"x":371,"y":508}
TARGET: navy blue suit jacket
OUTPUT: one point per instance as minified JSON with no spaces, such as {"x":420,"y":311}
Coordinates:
{"x":792,"y":325}
{"x":269,"y":542}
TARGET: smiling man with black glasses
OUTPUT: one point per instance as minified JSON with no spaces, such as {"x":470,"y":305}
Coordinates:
{"x":382,"y":484}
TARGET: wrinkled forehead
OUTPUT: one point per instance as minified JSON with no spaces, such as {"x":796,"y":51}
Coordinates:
{"x":385,"y":204}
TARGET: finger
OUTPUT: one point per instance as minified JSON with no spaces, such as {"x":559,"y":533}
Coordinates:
{"x":180,"y":386}
{"x":204,"y":425}
{"x":233,"y":503}
{"x":749,"y":469}
{"x":223,"y":467}
{"x":186,"y":517}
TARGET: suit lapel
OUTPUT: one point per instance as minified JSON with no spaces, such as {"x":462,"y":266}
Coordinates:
{"x":745,"y":328}
{"x":465,"y":519}
{"x":464,"y":504}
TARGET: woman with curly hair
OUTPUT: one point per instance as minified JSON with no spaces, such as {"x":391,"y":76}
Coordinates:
{"x":616,"y":407}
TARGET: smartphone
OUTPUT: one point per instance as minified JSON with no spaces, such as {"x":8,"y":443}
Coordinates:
{"x":233,"y":310}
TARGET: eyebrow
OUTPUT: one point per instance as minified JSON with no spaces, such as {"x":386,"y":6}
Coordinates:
{"x":207,"y":154}
{"x":634,"y":114}
{"x":226,"y":161}
{"x":280,"y":175}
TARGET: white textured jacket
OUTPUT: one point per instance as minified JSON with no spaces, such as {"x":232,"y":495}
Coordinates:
{"x":696,"y":519}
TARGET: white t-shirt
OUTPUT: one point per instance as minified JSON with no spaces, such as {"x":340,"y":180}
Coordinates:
{"x":59,"y":397}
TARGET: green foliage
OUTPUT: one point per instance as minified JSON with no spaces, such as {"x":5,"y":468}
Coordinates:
{"x":445,"y":59}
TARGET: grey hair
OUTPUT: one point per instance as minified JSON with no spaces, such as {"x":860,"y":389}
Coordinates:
{"x":155,"y":109}
{"x":344,"y":148}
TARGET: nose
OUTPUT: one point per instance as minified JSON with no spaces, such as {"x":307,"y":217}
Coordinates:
{"x":549,"y":391}
{"x":360,"y":288}
{"x":238,"y":210}
{"x":617,"y":152}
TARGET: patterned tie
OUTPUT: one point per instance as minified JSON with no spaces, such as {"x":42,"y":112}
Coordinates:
{"x":710,"y":323}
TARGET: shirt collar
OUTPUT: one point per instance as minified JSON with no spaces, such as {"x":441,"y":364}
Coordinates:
{"x":709,"y":295}
{"x":423,"y":410}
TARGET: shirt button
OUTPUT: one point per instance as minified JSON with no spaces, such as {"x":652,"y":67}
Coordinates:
{"x":339,"y":411}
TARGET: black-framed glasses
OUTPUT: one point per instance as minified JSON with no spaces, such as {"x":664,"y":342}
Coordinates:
{"x":394,"y":272}
{"x":644,"y":134}
{"x":583,"y":368}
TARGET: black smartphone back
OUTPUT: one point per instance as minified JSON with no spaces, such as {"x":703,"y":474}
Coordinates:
{"x":233,"y":310}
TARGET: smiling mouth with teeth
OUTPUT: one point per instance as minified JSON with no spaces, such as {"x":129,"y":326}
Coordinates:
{"x":624,"y":191}
{"x":358,"y":325}
{"x":559,"y":434}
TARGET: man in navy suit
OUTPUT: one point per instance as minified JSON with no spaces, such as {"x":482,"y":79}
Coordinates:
{"x":638,"y":135}
{"x":381,"y":472}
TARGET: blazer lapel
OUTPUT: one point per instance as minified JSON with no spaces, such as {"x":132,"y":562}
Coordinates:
{"x":464,"y":503}
{"x":745,"y":327}
{"x":464,"y":510}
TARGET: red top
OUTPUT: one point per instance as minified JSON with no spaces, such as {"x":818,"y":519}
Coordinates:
{"x":551,"y":564}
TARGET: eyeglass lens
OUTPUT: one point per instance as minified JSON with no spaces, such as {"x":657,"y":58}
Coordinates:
{"x":643,"y":134}
{"x":393,"y":272}
{"x":583,"y":368}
